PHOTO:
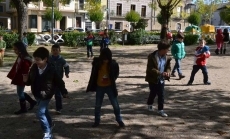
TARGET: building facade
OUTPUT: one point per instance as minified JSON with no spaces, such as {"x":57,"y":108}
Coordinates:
{"x":5,"y":18}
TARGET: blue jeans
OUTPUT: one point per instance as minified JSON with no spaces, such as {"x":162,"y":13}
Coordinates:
{"x":58,"y":98}
{"x":43,"y":114}
{"x":156,"y":89}
{"x":20,"y":92}
{"x":177,"y":67}
{"x":113,"y":100}
{"x":196,"y":69}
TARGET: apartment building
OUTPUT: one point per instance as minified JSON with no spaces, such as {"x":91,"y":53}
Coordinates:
{"x":5,"y":19}
{"x":73,"y":15}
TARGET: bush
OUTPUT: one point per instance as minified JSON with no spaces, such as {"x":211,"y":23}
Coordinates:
{"x":190,"y":39}
{"x":72,"y":38}
{"x":10,"y":39}
{"x":136,"y":37}
{"x":30,"y":37}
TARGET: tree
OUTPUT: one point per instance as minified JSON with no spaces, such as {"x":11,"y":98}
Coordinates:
{"x":57,"y":14}
{"x":21,"y":7}
{"x":132,"y":17}
{"x":225,"y":15}
{"x":194,"y":18}
{"x":141,"y":24}
{"x":166,"y":7}
{"x":159,"y":18}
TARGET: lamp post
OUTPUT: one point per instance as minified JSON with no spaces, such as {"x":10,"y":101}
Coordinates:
{"x":108,"y":12}
{"x":52,"y":26}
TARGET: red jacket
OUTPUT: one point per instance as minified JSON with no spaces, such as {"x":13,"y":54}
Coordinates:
{"x":18,"y":69}
{"x":200,"y":58}
{"x":219,"y":36}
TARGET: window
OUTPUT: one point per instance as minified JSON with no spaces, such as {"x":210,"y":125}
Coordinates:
{"x":32,"y":21}
{"x":118,"y":25}
{"x":1,"y":8}
{"x":81,"y":4}
{"x":119,"y":9}
{"x":133,"y":7}
{"x":143,"y":11}
{"x":88,"y":25}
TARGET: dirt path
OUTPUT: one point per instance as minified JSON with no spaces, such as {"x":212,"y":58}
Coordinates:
{"x":195,"y":112}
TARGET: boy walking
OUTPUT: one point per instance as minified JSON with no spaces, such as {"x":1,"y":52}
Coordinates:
{"x":43,"y":79}
{"x":61,"y":66}
{"x":201,"y":54}
{"x":178,"y":53}
{"x":2,"y":50}
{"x":158,"y":69}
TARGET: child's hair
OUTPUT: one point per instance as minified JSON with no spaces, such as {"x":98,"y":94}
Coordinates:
{"x":225,"y":30}
{"x":24,"y":33}
{"x":21,"y":49}
{"x":202,"y":40}
{"x":163,"y":44}
{"x":42,"y":53}
{"x":56,"y":46}
{"x":106,"y":54}
{"x":180,"y":35}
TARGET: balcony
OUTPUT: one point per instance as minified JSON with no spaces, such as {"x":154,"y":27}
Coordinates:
{"x":80,"y":7}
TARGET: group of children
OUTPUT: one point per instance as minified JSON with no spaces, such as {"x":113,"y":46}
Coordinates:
{"x":222,"y":39}
{"x":45,"y":78}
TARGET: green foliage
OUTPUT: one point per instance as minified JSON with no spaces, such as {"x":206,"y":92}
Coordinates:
{"x":49,"y":2}
{"x":190,"y":39}
{"x":136,"y":37}
{"x":57,"y":14}
{"x":30,"y":37}
{"x":141,"y":24}
{"x":70,"y":38}
{"x":132,"y":16}
{"x":96,"y":15}
{"x":194,"y":19}
{"x":225,"y":15}
{"x":159,"y":18}
{"x":10,"y":39}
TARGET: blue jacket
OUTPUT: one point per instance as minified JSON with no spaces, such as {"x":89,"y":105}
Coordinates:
{"x":60,"y":65}
{"x":177,"y":50}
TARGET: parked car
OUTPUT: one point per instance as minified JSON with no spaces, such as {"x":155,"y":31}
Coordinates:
{"x":74,"y":28}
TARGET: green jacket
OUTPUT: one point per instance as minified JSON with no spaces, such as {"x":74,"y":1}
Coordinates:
{"x":152,"y":71}
{"x":2,"y":44}
{"x":177,"y":50}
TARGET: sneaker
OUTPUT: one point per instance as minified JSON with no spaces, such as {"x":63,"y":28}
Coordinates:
{"x":58,"y":111}
{"x":48,"y":136}
{"x":96,"y":124}
{"x":189,"y":83}
{"x":162,"y":113}
{"x":181,"y":76}
{"x":173,"y":75}
{"x":207,"y":83}
{"x":121,"y":124}
{"x":150,"y":108}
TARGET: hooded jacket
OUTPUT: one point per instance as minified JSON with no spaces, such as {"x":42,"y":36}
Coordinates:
{"x":219,"y":36}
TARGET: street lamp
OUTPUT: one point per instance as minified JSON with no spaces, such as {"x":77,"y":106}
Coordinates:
{"x":108,"y":12}
{"x":52,"y":26}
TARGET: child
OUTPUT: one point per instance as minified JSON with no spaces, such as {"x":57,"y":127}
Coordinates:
{"x":60,"y":65}
{"x":201,"y":53}
{"x":105,"y":40}
{"x":89,"y":42}
{"x":24,"y":39}
{"x":219,"y":41}
{"x":178,"y":52}
{"x":226,"y":40}
{"x":43,"y":80}
{"x":158,"y":69}
{"x":20,"y":68}
{"x":104,"y":73}
{"x":2,"y":50}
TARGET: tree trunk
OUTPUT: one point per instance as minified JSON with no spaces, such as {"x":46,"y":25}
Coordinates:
{"x":22,"y":17}
{"x":165,"y":20}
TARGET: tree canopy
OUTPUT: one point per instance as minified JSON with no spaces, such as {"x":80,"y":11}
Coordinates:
{"x":194,"y":19}
{"x":225,"y":15}
{"x":57,"y":14}
{"x":132,"y":16}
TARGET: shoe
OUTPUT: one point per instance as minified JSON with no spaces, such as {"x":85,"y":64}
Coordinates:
{"x":52,"y":127}
{"x":162,"y":113}
{"x":189,"y":83}
{"x":48,"y":136}
{"x":150,"y":108}
{"x":224,"y":51}
{"x":181,"y":76}
{"x":207,"y":83}
{"x":173,"y":75}
{"x":217,"y":51}
{"x":121,"y":124}
{"x":95,"y":124}
{"x":58,"y":111}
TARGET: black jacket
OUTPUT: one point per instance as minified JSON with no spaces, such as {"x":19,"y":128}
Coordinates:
{"x":49,"y":80}
{"x":113,"y":74}
{"x":226,"y":37}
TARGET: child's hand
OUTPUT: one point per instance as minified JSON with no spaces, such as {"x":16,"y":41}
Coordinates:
{"x":67,"y":75}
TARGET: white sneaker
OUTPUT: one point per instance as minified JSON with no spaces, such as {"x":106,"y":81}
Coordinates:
{"x":162,"y":113}
{"x":150,"y":108}
{"x":48,"y":136}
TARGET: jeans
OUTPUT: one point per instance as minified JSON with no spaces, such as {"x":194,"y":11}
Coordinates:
{"x":20,"y":92}
{"x":89,"y":50}
{"x":113,"y":100}
{"x":196,"y":69}
{"x":58,"y":98}
{"x":177,"y":67}
{"x":156,"y":89}
{"x":43,"y":115}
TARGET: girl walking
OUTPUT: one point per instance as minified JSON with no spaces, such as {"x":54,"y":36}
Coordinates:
{"x":219,"y":41}
{"x":21,"y":68}
{"x":105,"y":40}
{"x":226,"y":40}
